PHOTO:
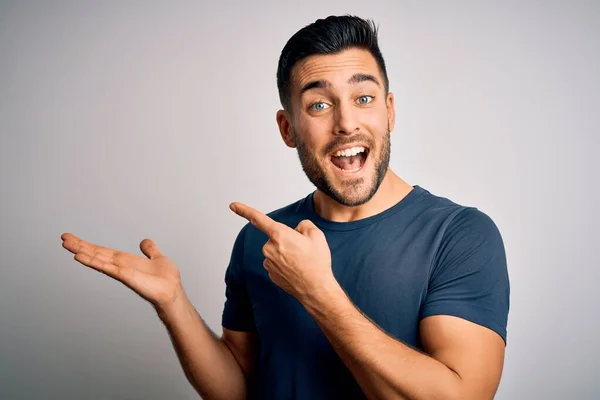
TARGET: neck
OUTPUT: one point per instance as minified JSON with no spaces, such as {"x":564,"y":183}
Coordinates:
{"x":390,"y":192}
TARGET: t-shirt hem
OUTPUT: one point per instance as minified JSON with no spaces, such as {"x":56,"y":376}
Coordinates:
{"x":236,"y":327}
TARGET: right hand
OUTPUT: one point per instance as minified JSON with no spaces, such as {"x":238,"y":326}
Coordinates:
{"x":155,"y":278}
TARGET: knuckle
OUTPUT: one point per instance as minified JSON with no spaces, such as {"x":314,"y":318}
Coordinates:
{"x":275,"y":235}
{"x":268,"y":248}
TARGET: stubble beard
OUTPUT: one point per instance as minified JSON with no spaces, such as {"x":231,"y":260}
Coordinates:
{"x":351,"y":195}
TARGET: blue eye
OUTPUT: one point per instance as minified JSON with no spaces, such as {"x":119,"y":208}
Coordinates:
{"x":365,"y":99}
{"x":319,"y":106}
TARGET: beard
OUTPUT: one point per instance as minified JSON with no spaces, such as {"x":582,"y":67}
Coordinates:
{"x":353,"y":192}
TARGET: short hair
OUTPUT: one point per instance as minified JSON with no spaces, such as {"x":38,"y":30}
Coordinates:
{"x":331,"y":35}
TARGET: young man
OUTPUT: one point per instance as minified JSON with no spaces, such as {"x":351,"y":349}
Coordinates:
{"x":368,"y":287}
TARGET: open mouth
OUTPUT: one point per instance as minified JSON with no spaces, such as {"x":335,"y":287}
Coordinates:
{"x":350,"y":160}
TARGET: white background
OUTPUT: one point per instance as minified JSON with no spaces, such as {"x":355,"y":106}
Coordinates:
{"x":125,"y":120}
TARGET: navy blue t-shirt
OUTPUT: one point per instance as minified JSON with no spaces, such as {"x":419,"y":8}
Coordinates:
{"x":424,"y":256}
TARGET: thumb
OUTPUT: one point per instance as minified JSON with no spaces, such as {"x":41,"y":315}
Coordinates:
{"x":307,"y":228}
{"x":150,"y":249}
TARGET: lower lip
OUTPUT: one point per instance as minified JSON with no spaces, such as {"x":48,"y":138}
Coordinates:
{"x":350,"y":173}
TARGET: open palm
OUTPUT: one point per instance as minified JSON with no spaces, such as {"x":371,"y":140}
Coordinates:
{"x":154,"y":277}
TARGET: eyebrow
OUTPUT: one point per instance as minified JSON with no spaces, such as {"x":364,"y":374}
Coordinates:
{"x":358,"y":78}
{"x":354,"y":79}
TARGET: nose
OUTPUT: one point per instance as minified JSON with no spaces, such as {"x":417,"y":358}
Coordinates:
{"x":346,"y":119}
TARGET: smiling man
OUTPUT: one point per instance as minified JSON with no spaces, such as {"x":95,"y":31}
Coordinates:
{"x":368,"y":287}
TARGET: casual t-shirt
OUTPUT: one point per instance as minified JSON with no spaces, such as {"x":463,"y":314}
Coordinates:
{"x":424,"y":256}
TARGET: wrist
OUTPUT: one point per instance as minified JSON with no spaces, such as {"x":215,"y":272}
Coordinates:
{"x":177,"y":305}
{"x":327,"y":292}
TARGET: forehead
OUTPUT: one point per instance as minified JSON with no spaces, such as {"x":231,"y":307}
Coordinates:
{"x":336,"y":68}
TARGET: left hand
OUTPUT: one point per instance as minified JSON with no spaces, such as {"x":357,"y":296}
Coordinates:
{"x":298,"y":261}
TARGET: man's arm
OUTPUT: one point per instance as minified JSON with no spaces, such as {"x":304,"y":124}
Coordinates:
{"x":216,"y":367}
{"x":464,"y":360}
{"x":212,"y":365}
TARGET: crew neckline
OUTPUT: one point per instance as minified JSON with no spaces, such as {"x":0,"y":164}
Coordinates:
{"x":327,"y":224}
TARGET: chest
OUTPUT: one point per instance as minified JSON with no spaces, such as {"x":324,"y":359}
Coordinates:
{"x":386,"y":279}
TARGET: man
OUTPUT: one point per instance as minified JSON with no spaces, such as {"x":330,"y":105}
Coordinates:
{"x":368,"y":287}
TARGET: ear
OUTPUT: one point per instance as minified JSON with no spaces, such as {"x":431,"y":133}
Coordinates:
{"x":391,"y":111}
{"x":285,"y":128}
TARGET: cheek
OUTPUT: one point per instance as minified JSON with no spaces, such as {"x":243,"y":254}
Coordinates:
{"x":313,"y":133}
{"x":376,"y":123}
{"x":312,"y":126}
{"x":376,"y":117}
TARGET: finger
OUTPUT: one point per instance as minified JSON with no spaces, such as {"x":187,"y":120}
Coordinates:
{"x":70,"y":242}
{"x":150,"y":249}
{"x":74,"y":244}
{"x":307,"y":228}
{"x":68,"y":236}
{"x":256,"y":218}
{"x":91,"y":254}
{"x":268,"y":249}
{"x":101,"y":263}
{"x":94,"y":256}
{"x":267,"y":264}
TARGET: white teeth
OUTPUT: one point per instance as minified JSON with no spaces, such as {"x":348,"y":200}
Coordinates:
{"x":350,"y":152}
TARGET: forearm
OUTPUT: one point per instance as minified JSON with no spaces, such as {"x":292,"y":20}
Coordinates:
{"x":206,"y":360}
{"x":384,"y":367}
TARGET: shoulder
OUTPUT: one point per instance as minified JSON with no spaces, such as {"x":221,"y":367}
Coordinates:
{"x":471,"y":228}
{"x":468,"y":240}
{"x":457,"y":217}
{"x":474,"y":221}
{"x":469,"y":273}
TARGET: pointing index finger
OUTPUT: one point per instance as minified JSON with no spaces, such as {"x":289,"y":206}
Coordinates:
{"x":256,"y":218}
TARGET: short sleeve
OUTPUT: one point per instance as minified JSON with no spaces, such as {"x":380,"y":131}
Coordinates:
{"x":469,"y":278}
{"x":237,"y":312}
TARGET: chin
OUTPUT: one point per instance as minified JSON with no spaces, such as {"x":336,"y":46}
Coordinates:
{"x":349,"y":175}
{"x":354,"y":201}
{"x":352,"y":193}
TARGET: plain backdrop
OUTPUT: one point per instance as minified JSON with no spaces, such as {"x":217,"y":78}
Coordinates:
{"x":121,"y":120}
